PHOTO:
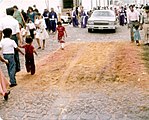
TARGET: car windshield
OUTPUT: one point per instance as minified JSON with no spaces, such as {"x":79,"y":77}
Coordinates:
{"x":102,"y":14}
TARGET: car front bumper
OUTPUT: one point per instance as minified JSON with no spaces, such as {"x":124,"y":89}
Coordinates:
{"x":101,"y":27}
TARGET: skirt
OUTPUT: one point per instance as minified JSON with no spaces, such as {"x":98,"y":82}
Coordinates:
{"x":3,"y":83}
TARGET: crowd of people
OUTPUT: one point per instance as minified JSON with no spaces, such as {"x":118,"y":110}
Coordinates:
{"x":18,"y":29}
{"x":136,"y":18}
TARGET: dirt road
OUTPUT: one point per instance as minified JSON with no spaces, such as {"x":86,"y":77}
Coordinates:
{"x":91,"y":81}
{"x":82,"y":65}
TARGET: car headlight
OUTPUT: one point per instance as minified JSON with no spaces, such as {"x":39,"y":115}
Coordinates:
{"x":91,"y":22}
{"x":111,"y":23}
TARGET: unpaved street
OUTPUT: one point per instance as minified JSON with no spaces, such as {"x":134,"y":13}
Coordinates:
{"x":87,"y":81}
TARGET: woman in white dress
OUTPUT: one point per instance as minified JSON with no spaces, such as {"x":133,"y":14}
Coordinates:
{"x":41,"y":33}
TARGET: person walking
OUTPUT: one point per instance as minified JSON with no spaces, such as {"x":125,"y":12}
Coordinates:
{"x":145,"y":25}
{"x":132,"y":19}
{"x":137,"y":36}
{"x":24,"y":15}
{"x":75,"y":14}
{"x":36,"y":11}
{"x":18,"y":15}
{"x":41,"y":33}
{"x":122,"y":14}
{"x":53,"y":20}
{"x":8,"y":45}
{"x":61,"y":34}
{"x":46,"y":18}
{"x":84,"y":18}
{"x":23,"y":32}
{"x":31,"y":14}
{"x":31,"y":28}
{"x":29,"y":55}
{"x":9,"y":22}
{"x":4,"y":83}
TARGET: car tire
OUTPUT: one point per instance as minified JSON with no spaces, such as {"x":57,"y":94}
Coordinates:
{"x":90,"y":30}
{"x":62,"y":21}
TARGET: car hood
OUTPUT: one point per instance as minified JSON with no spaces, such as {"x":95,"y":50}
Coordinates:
{"x":102,"y":18}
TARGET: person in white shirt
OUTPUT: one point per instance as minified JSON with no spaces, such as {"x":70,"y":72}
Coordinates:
{"x":132,"y":19}
{"x":31,"y":28}
{"x":10,"y":22}
{"x":41,"y":33}
{"x":23,"y":33}
{"x":8,"y":45}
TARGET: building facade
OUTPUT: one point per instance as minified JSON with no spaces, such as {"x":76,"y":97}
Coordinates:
{"x":64,"y":4}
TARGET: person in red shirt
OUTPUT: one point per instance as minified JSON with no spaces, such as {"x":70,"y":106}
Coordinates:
{"x":29,"y":55}
{"x":61,"y":34}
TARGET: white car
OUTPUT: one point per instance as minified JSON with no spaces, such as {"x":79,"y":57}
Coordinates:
{"x":65,"y":19}
{"x":102,"y":20}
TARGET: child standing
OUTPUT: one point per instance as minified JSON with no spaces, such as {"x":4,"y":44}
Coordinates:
{"x":29,"y":56}
{"x":8,"y":45}
{"x":137,"y":36}
{"x":61,"y":34}
{"x":23,"y":32}
{"x":31,"y":27}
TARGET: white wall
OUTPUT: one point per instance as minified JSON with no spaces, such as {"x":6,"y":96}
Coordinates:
{"x":89,"y":4}
{"x":86,"y":4}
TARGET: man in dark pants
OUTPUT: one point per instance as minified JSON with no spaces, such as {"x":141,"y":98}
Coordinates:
{"x":53,"y":20}
{"x":9,"y":22}
{"x":46,"y":17}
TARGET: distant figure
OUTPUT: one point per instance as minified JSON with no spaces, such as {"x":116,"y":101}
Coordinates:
{"x":24,"y":15}
{"x":23,"y":32}
{"x":31,"y":28}
{"x":69,"y":16}
{"x":84,"y":18}
{"x":132,"y":19}
{"x":61,"y":34}
{"x":122,"y":14}
{"x":116,"y":13}
{"x":53,"y":20}
{"x":75,"y":17}
{"x":137,"y":36}
{"x":46,"y":17}
{"x":35,"y":10}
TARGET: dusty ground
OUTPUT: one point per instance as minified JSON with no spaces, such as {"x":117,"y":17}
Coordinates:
{"x":84,"y":65}
{"x":86,"y":81}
